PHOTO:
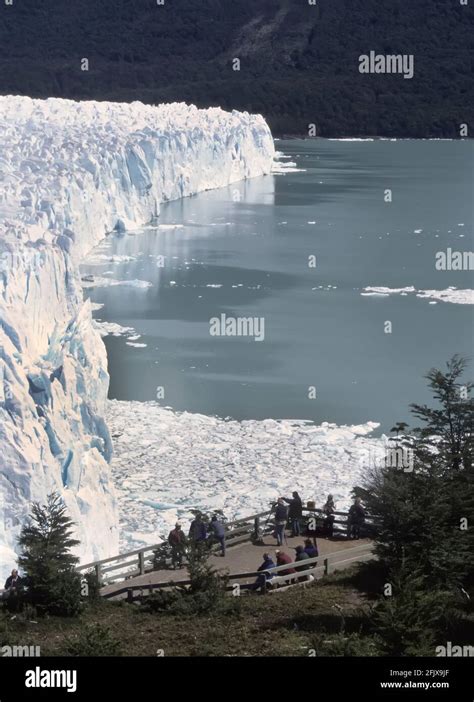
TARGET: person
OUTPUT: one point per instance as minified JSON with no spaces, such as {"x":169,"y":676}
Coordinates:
{"x":329,"y":510}
{"x":216,"y":529}
{"x":301,"y":555}
{"x":281,"y":517}
{"x":311,"y":549}
{"x":13,"y":585}
{"x":284,"y":559}
{"x":177,"y":541}
{"x":197,"y":530}
{"x":257,"y":534}
{"x":311,"y":530}
{"x":295,"y":513}
{"x":264,"y":577}
{"x":355,"y":519}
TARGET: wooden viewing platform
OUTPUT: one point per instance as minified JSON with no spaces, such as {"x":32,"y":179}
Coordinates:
{"x":131,"y":575}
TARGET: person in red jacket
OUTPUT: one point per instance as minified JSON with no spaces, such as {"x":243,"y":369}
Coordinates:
{"x":177,"y":541}
{"x":283,"y":559}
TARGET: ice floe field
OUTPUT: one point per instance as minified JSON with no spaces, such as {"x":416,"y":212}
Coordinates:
{"x":166,"y":463}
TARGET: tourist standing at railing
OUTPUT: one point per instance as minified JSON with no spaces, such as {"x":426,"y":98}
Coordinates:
{"x":217,"y":530}
{"x":329,"y":510}
{"x":177,"y":541}
{"x":281,"y":517}
{"x":295,"y":513}
{"x":355,"y":519}
{"x":197,"y":530}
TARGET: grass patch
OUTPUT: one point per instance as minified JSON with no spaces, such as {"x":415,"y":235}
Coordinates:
{"x":283,"y":624}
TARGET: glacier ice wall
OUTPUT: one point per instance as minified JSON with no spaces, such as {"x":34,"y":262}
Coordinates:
{"x":71,"y":172}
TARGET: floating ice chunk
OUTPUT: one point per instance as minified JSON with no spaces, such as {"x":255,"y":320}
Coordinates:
{"x":460,"y":297}
{"x":99,"y":282}
{"x":451,"y":294}
{"x":388,"y":291}
{"x":111,"y":328}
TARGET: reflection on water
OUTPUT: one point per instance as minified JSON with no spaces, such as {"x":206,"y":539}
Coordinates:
{"x":243,"y":251}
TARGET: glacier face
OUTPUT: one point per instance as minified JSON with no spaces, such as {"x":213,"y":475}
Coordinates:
{"x":70,"y":173}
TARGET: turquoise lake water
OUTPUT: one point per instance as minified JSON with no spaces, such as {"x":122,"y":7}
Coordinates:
{"x":243,"y":251}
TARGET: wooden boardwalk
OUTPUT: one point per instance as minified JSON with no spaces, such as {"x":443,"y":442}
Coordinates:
{"x":246,"y":557}
{"x":133,"y":573}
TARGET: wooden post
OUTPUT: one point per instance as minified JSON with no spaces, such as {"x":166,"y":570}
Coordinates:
{"x":98,"y":573}
{"x":130,"y":595}
{"x":141,"y":562}
{"x":326,"y":566}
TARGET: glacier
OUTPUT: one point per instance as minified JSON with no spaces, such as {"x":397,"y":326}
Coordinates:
{"x":71,"y":173}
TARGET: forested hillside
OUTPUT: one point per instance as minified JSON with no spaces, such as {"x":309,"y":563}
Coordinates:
{"x":299,"y":63}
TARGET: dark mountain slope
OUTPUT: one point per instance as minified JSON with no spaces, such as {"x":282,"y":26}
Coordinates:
{"x":299,"y":63}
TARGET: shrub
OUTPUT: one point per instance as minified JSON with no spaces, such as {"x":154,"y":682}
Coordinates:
{"x":92,"y":586}
{"x":94,"y":640}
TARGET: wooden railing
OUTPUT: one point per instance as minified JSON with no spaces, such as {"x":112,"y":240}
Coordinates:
{"x":304,"y":569}
{"x":140,"y":561}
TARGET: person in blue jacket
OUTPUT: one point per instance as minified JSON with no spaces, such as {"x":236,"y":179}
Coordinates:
{"x":264,"y":577}
{"x":217,"y":530}
{"x":310,"y":549}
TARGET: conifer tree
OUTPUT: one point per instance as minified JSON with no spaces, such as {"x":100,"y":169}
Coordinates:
{"x":54,"y":585}
{"x":424,"y":514}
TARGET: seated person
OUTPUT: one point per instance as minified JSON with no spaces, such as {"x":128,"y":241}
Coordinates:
{"x":301,"y":555}
{"x":264,"y":577}
{"x":13,"y":585}
{"x":310,"y":549}
{"x":284,"y":559}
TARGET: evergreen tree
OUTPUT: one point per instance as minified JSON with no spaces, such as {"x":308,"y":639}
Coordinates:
{"x":448,"y":427}
{"x":207,"y":588}
{"x":424,"y":540}
{"x":424,"y":514}
{"x":54,"y":584}
{"x":412,"y":619}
